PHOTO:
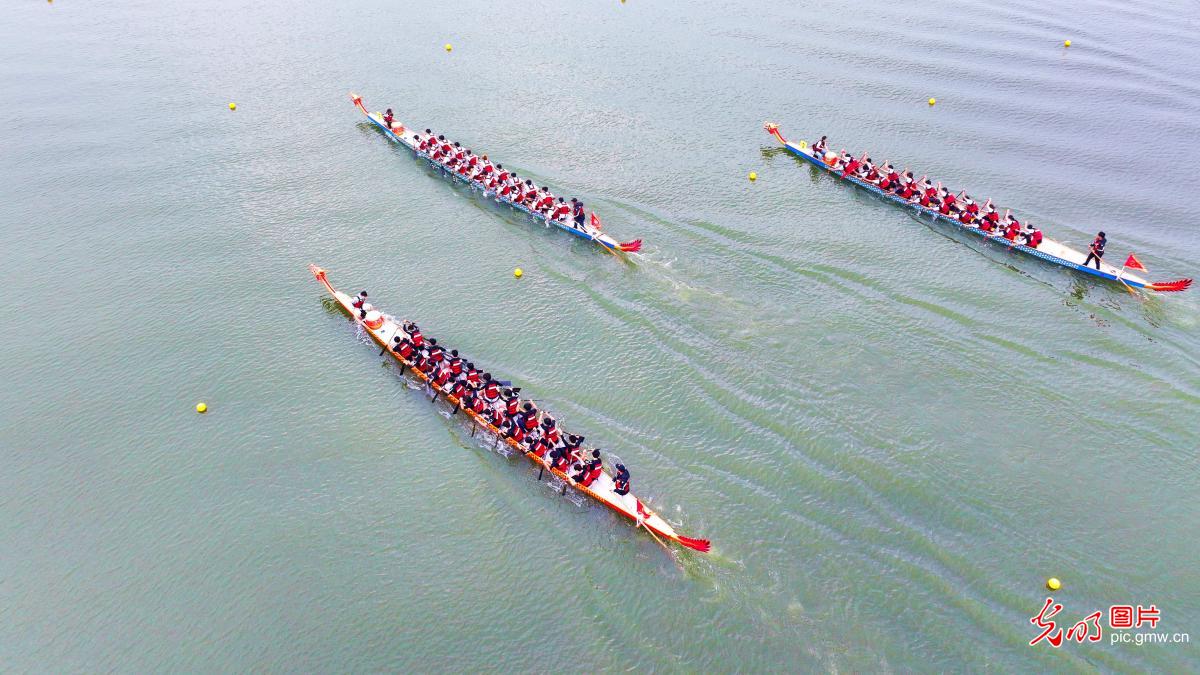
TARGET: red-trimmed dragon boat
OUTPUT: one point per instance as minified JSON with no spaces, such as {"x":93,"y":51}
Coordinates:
{"x":405,"y":136}
{"x":1049,"y":250}
{"x":383,"y":328}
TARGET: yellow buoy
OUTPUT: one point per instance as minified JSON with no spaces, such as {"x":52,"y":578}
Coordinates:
{"x":1053,"y":584}
{"x":1066,"y":43}
{"x":753,"y":176}
{"x":518,"y":272}
{"x":932,"y":101}
{"x":233,"y":106}
{"x":448,"y":47}
{"x":202,"y":407}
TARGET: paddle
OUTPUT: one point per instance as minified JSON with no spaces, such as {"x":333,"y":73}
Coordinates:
{"x":642,"y":523}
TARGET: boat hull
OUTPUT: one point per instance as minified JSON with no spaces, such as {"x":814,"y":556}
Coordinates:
{"x":1049,"y":251}
{"x":601,"y":490}
{"x":568,"y":227}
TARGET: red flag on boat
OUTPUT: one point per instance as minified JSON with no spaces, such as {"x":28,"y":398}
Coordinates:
{"x":595,"y":220}
{"x":641,"y":511}
{"x":1134,"y":264}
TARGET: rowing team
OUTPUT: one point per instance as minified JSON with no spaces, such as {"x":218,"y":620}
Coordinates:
{"x":924,"y":193}
{"x":495,"y":178}
{"x":498,"y":403}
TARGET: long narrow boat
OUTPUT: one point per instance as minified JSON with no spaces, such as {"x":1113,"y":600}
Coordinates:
{"x":400,"y":134}
{"x":601,"y":490}
{"x":1049,"y":250}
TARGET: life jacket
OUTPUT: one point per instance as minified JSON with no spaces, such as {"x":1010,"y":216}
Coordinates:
{"x":497,"y":418}
{"x":492,"y":390}
{"x":925,"y":199}
{"x":973,"y":208}
{"x":945,"y":208}
{"x":1035,"y":238}
{"x":478,"y":405}
{"x":907,"y":192}
{"x":964,"y":217}
{"x":562,"y":463}
{"x":540,"y":448}
{"x":592,"y":474}
{"x":1010,"y":233}
{"x":546,"y":202}
{"x":473,"y":377}
{"x":552,"y":435}
{"x":850,"y":168}
{"x":518,"y":434}
{"x":562,"y":210}
{"x":406,"y":349}
{"x":621,"y":485}
{"x":418,"y":340}
{"x":459,"y":390}
{"x":531,"y":421}
{"x":443,"y":377}
{"x":358,"y":302}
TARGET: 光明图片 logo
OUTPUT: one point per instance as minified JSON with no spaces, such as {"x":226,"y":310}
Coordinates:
{"x":1121,"y":618}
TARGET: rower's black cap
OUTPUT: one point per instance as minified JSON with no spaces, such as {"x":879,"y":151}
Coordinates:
{"x":1101,"y":234}
{"x":596,"y":453}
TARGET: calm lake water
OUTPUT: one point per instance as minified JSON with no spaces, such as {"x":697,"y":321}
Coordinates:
{"x":892,"y":435}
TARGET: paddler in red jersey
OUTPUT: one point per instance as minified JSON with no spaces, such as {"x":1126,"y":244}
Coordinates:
{"x":970,"y":211}
{"x":991,"y":219}
{"x":593,"y":469}
{"x":387,"y":118}
{"x":359,"y":300}
{"x":869,"y":171}
{"x":547,"y":200}
{"x":1012,"y":229}
{"x":891,"y":179}
{"x":561,"y":210}
{"x":1034,"y":237}
{"x":851,"y":167}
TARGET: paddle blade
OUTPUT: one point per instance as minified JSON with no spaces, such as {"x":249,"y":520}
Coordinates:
{"x":701,"y":545}
{"x":630,"y":246}
{"x":1171,"y":286}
